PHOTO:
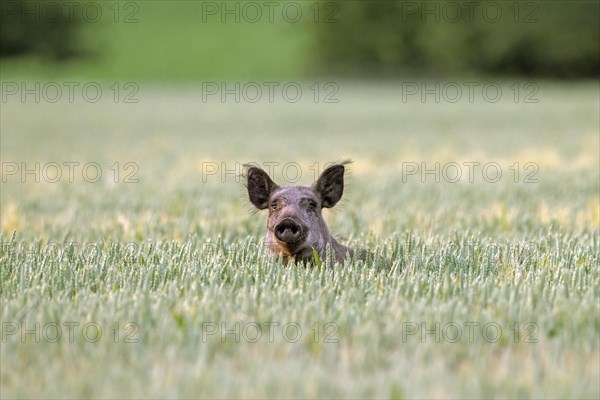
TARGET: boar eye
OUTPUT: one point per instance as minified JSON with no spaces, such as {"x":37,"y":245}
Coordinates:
{"x":274,"y":205}
{"x":312,"y":206}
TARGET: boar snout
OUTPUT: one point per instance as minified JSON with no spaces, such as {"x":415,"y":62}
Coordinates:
{"x":289,"y":231}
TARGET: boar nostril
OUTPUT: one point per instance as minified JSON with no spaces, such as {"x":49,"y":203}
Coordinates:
{"x":288,"y":231}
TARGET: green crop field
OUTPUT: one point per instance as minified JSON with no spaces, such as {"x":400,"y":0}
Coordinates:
{"x":131,"y":262}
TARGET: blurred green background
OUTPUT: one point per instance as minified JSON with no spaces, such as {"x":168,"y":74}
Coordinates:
{"x":180,"y":41}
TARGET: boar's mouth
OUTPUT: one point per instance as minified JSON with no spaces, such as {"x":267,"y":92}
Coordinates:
{"x":299,"y":252}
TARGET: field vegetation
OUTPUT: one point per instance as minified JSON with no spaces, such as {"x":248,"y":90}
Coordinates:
{"x":156,"y":267}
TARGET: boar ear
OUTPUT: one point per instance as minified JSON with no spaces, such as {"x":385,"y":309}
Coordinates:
{"x":260,"y":186}
{"x":330,"y":185}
